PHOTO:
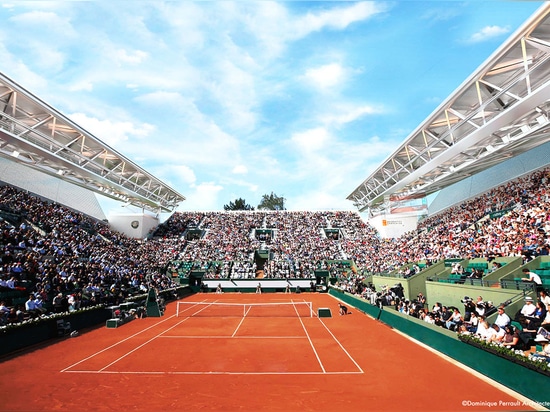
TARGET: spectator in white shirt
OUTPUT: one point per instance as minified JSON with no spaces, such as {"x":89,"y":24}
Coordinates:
{"x":502,"y":319}
{"x":30,"y":306}
{"x":528,"y":308}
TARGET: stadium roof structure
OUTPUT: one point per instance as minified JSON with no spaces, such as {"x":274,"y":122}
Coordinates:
{"x":36,"y":135}
{"x":499,"y":112}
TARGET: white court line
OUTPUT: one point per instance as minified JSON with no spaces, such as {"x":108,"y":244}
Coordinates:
{"x":160,"y":335}
{"x":341,"y":346}
{"x":145,"y":343}
{"x":116,"y":344}
{"x":338,"y":342}
{"x":239,"y":325}
{"x":140,"y":346}
{"x":310,"y":342}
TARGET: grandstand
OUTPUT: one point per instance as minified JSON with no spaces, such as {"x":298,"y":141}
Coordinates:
{"x":484,"y":151}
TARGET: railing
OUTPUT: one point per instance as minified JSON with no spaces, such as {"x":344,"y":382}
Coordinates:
{"x":503,"y":283}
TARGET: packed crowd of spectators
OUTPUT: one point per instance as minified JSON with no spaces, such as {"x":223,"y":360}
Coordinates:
{"x":65,"y":261}
{"x":297,"y":242}
{"x":461,"y":231}
{"x":50,"y":250}
{"x":301,"y":243}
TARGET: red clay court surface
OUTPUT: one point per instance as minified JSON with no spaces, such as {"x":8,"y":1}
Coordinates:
{"x":244,"y":363}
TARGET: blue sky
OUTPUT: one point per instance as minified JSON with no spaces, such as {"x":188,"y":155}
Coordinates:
{"x":227,"y":100}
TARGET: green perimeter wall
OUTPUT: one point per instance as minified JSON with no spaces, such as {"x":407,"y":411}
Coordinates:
{"x":23,"y":336}
{"x":411,"y":286}
{"x":450,"y":294}
{"x":529,"y":383}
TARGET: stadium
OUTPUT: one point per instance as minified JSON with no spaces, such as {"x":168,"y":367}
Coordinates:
{"x":399,"y":305}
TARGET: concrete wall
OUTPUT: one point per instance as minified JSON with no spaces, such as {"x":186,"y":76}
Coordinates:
{"x":136,"y":226}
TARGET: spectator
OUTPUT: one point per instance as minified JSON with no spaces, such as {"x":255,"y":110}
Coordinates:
{"x":497,"y":334}
{"x":58,"y":303}
{"x":455,"y":320}
{"x":469,"y":308}
{"x":532,"y":277}
{"x":511,"y":337}
{"x":502,"y":319}
{"x":546,"y":321}
{"x":544,"y":353}
{"x":19,"y":313}
{"x":39,"y":305}
{"x":533,"y":322}
{"x":473,"y":323}
{"x":544,"y":298}
{"x":527,"y":311}
{"x":430,"y":318}
{"x":71,"y":302}
{"x":445,"y":316}
{"x":4,"y":313}
{"x":484,"y":331}
{"x":30,"y":306}
{"x":15,"y":315}
{"x":480,"y":306}
{"x":421,"y":299}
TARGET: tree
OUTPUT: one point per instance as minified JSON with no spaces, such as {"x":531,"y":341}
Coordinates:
{"x":238,"y":204}
{"x":272,"y":202}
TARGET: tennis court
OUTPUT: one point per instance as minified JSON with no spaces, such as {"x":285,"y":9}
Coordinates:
{"x":245,"y":352}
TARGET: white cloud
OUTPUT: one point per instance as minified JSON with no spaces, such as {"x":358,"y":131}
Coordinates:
{"x":310,"y":141}
{"x":113,"y":133}
{"x":44,"y":35}
{"x":488,"y":32}
{"x":327,"y":76}
{"x":163,"y":99}
{"x":440,"y":14}
{"x":240,"y":170}
{"x":179,"y":173}
{"x":233,"y":88}
{"x":203,"y":196}
{"x":333,"y":169}
{"x":83,"y":85}
{"x":199,"y":140}
{"x":48,"y":21}
{"x":321,"y":200}
{"x":250,"y":186}
{"x":186,"y":20}
{"x":346,"y":113}
{"x":19,"y":71}
{"x":338,"y":18}
{"x":131,"y":57}
{"x":272,"y":26}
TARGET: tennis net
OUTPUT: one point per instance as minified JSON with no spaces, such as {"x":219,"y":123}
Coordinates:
{"x":222,"y":309}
